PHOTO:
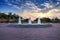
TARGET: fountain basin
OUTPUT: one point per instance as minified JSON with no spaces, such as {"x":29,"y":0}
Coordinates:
{"x":30,"y":25}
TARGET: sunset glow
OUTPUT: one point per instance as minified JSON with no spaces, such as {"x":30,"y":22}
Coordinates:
{"x":50,"y":14}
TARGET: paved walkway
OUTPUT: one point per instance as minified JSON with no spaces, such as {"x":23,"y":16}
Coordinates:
{"x":13,"y":33}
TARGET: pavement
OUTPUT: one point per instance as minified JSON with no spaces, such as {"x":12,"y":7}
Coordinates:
{"x":13,"y":33}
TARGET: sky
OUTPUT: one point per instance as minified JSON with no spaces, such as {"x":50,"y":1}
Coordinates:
{"x":31,"y":8}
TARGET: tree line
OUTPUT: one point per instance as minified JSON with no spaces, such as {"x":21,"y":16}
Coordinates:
{"x":8,"y":18}
{"x":13,"y":18}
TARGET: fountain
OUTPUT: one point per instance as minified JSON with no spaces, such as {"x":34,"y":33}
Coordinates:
{"x":29,"y":25}
{"x":19,"y":20}
{"x":39,"y":21}
{"x":29,"y":21}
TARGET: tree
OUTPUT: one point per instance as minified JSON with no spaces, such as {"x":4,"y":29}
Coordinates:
{"x":57,"y":20}
{"x":3,"y":15}
{"x":46,"y":20}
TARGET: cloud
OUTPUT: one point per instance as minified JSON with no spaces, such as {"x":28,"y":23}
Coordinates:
{"x":28,"y":6}
{"x":29,"y":9}
{"x":47,"y":5}
{"x":13,"y":5}
{"x":58,"y":3}
{"x":53,"y":13}
{"x":34,"y":12}
{"x":58,"y":0}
